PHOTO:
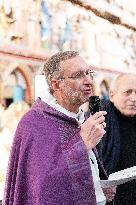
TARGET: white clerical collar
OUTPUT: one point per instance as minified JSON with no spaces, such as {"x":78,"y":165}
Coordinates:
{"x":53,"y":103}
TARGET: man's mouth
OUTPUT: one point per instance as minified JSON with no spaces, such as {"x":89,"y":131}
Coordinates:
{"x":88,"y":91}
{"x":132,"y":107}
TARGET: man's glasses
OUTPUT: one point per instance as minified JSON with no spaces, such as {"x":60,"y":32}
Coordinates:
{"x":80,"y":75}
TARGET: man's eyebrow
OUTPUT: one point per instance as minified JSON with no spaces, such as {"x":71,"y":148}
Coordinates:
{"x":82,"y":69}
{"x":127,"y":90}
{"x":77,"y":72}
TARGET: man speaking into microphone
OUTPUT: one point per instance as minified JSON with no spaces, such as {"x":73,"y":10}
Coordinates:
{"x":53,"y":158}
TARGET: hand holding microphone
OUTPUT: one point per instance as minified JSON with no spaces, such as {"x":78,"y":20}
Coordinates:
{"x":92,"y":130}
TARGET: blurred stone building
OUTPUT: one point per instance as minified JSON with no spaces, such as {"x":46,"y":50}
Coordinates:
{"x":103,"y":31}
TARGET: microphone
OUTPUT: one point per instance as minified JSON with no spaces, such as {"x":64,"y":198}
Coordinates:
{"x":94,"y":104}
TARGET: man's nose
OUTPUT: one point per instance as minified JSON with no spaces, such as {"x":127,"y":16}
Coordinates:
{"x":88,"y":78}
{"x":133,"y":96}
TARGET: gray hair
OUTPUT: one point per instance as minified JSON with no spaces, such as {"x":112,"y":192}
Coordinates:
{"x":115,"y":82}
{"x":52,"y":65}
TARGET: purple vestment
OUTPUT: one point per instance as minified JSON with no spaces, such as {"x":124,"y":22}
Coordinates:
{"x":49,"y":164}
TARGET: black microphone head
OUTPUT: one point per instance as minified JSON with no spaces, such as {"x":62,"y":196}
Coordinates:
{"x":94,"y":104}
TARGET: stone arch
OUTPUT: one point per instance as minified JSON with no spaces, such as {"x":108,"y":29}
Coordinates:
{"x":28,"y":94}
{"x":27,"y":75}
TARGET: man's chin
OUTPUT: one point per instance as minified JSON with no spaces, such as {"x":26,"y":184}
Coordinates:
{"x":86,"y":99}
{"x":130,"y":113}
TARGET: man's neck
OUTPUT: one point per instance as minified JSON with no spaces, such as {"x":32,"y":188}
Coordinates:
{"x":67,"y":104}
{"x":70,"y":108}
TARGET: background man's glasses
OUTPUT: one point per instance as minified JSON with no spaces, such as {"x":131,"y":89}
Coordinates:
{"x":80,"y":75}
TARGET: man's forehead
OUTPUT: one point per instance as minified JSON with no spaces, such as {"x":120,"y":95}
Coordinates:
{"x":127,"y":82}
{"x":73,"y":64}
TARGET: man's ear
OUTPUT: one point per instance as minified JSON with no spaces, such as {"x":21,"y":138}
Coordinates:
{"x":54,"y":85}
{"x":111,"y":95}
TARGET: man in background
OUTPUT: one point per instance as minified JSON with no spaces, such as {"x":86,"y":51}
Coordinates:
{"x":118,"y":146}
{"x":53,"y":158}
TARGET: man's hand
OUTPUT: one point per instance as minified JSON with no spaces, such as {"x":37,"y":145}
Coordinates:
{"x":109,"y":193}
{"x":92,"y":130}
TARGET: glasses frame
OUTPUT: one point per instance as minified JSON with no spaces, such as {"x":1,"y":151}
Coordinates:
{"x":80,"y":75}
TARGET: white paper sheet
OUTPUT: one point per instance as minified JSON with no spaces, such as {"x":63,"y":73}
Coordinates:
{"x":119,"y":177}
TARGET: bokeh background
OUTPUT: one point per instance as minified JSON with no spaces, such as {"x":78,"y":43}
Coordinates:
{"x":103,"y":31}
